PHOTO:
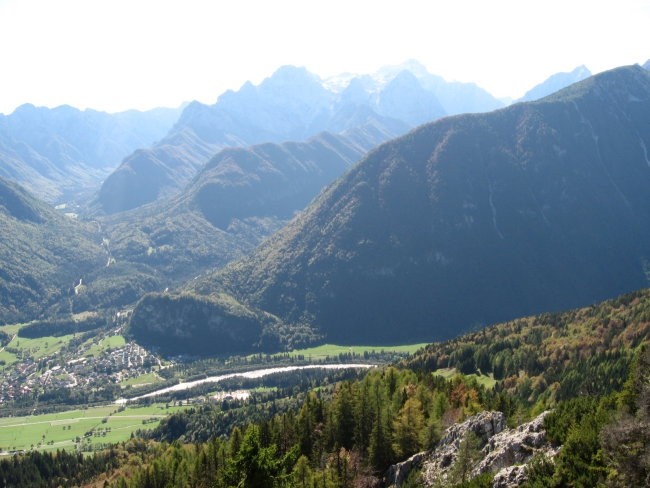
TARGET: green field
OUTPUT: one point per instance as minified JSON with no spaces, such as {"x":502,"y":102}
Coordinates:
{"x":38,"y":348}
{"x":333,"y":350}
{"x":48,"y":346}
{"x":6,"y":359}
{"x":11,"y":329}
{"x":96,"y":425}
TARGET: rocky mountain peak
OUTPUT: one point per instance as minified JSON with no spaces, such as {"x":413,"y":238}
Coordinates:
{"x":288,"y":75}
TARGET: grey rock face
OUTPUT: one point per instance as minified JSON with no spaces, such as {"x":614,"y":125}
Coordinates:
{"x":510,"y":477}
{"x":505,"y":451}
{"x":513,"y":446}
{"x":485,"y":425}
{"x":438,"y":462}
{"x":398,"y":473}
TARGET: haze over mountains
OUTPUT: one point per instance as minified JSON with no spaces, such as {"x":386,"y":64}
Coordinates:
{"x":290,"y":105}
{"x":556,"y":82}
{"x":60,"y":153}
{"x":63,"y":153}
{"x":467,"y":221}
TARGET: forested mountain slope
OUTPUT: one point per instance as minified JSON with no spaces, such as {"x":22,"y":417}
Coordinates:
{"x":54,"y":264}
{"x":470,"y":220}
{"x":239,"y":197}
{"x":44,"y":254}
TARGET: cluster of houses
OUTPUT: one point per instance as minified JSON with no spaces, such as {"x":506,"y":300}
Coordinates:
{"x":14,"y":384}
{"x":29,"y":377}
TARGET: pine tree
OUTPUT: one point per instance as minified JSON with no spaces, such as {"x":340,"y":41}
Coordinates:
{"x":408,"y":428}
{"x":344,"y":416}
{"x":380,"y":453}
{"x":302,"y":472}
{"x":468,"y":454}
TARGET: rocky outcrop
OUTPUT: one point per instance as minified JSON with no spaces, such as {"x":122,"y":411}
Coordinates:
{"x":513,"y":446}
{"x":398,"y":473}
{"x":504,"y":451}
{"x":438,"y":462}
{"x":484,"y":425}
{"x":510,"y":477}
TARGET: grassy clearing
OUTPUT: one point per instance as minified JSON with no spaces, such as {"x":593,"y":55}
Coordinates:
{"x":105,"y":343}
{"x":91,"y":426}
{"x":143,"y":379}
{"x":46,"y":346}
{"x":333,"y":350}
{"x":40,"y":347}
{"x":487,"y":381}
{"x":446,"y":373}
{"x":7,"y":359}
{"x":11,"y":329}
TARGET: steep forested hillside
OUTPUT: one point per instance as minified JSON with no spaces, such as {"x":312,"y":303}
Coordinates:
{"x":55,"y":264}
{"x":553,"y":356}
{"x":468,"y":221}
{"x":239,"y":197}
{"x":43,"y":254}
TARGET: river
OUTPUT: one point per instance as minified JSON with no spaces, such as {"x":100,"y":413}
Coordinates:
{"x":256,"y":373}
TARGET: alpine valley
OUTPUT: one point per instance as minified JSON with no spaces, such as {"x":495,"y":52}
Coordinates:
{"x":379,"y":280}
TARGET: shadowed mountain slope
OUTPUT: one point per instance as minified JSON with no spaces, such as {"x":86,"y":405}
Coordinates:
{"x":470,"y":220}
{"x":241,"y":196}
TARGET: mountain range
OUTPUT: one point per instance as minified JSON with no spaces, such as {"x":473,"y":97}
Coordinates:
{"x":60,"y":153}
{"x":290,"y":105}
{"x":556,"y":82}
{"x":466,"y":221}
{"x":239,"y":197}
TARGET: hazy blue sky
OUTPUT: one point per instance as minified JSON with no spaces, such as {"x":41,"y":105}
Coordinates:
{"x":117,"y":54}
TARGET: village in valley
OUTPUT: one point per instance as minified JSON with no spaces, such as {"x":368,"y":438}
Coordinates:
{"x":89,"y":362}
